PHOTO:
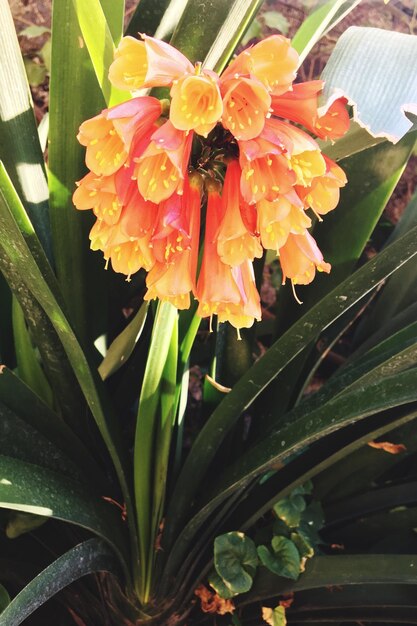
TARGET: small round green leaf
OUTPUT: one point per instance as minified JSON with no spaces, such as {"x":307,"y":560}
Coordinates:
{"x":284,"y":560}
{"x":289,"y":509}
{"x":219,"y":586}
{"x":235,"y":560}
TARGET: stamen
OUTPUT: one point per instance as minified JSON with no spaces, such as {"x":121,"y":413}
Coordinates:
{"x":297,"y":299}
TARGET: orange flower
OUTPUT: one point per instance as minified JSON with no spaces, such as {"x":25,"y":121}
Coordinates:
{"x":265,"y":177}
{"x":147,"y":204}
{"x":216,"y":287}
{"x":160,"y":170}
{"x":98,"y":193}
{"x":272,"y":61}
{"x":108,"y":135}
{"x":299,"y":258}
{"x":173,"y":278}
{"x":246,"y":104}
{"x":300,"y":105}
{"x":229,"y":293}
{"x":196,"y":102}
{"x":324,"y":192}
{"x":276,"y":220}
{"x":235,"y":243}
{"x":148,"y":63}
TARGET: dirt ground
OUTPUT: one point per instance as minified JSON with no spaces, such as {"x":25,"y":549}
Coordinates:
{"x":399,"y":15}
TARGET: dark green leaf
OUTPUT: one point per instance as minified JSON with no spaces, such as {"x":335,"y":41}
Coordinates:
{"x":284,"y":559}
{"x":86,"y":558}
{"x":235,"y":560}
{"x":210,"y":31}
{"x":148,"y":16}
{"x":31,"y":489}
{"x":276,"y":359}
{"x":324,"y":571}
{"x":4,"y":598}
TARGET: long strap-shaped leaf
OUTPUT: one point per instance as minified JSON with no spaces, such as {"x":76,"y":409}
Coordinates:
{"x":86,"y":558}
{"x":99,"y":41}
{"x":19,"y":142}
{"x":38,"y":490}
{"x":16,"y":249}
{"x":210,"y":31}
{"x":323,"y":571}
{"x":277,"y":357}
{"x":278,"y":446}
{"x":320,"y":22}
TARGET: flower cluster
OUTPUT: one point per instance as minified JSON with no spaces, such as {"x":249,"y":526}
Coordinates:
{"x":220,"y":142}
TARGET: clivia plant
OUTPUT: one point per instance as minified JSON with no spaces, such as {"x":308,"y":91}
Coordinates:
{"x":208,"y":172}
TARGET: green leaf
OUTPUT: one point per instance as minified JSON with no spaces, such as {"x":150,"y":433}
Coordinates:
{"x":320,"y":22}
{"x":19,"y":142}
{"x":253,"y":32}
{"x":88,"y":557}
{"x":211,"y":30}
{"x":34,"y":31}
{"x":289,"y":509}
{"x":124,"y":344}
{"x":149,"y":15}
{"x":274,"y":617}
{"x":21,"y":523}
{"x":399,"y":292}
{"x":98,"y":38}
{"x":42,"y":286}
{"x":284,"y":560}
{"x":219,"y":586}
{"x":36,"y":72}
{"x":27,"y":407}
{"x":163,"y":329}
{"x":68,"y":108}
{"x":29,"y":367}
{"x":326,"y":571}
{"x":303,"y":545}
{"x":354,"y":141}
{"x":275,"y":360}
{"x":235,"y":561}
{"x":370,"y":67}
{"x":32,"y":489}
{"x":4,"y":598}
{"x":275,"y":19}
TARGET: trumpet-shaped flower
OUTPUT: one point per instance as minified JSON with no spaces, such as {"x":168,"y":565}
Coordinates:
{"x":324,"y":192}
{"x":235,"y":243}
{"x":272,"y":61}
{"x":276,"y":220}
{"x":108,"y":136}
{"x":196,"y":103}
{"x":246,"y":105}
{"x":147,"y":203}
{"x":148,"y":63}
{"x":299,"y":258}
{"x":300,"y":105}
{"x":174,"y":277}
{"x":160,"y":170}
{"x":99,"y":194}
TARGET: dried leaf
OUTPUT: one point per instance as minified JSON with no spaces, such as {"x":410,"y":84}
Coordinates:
{"x":391,"y":448}
{"x":212,"y":602}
